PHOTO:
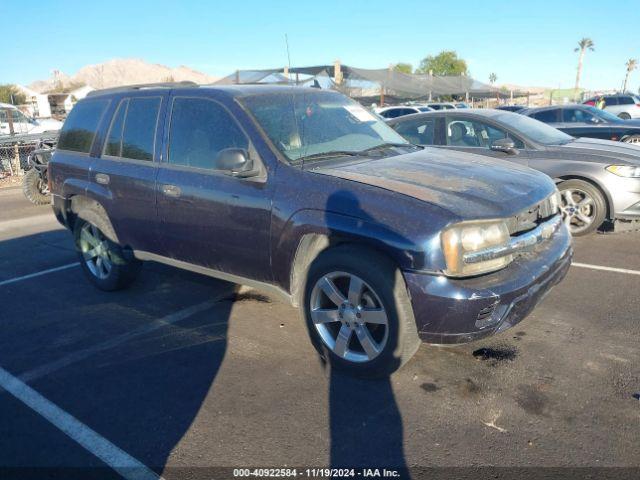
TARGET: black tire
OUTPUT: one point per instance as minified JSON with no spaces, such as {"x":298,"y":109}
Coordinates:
{"x":33,"y":188}
{"x":124,"y":268}
{"x":388,"y":286}
{"x":598,"y":207}
{"x":624,"y":116}
{"x":635,"y":139}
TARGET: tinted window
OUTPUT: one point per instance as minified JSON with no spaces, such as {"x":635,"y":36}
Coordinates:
{"x":113,"y":145}
{"x":546,"y":116}
{"x":420,"y":132}
{"x":575,"y":115}
{"x":139,"y":133}
{"x":608,"y":101}
{"x":200,"y":128}
{"x":625,"y":101}
{"x":393,"y":113}
{"x":80,"y":128}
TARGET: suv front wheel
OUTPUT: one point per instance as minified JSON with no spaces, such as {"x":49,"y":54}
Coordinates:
{"x":102,"y":260}
{"x":358,"y":312}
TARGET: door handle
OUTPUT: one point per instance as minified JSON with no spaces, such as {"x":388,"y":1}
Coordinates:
{"x":171,"y":191}
{"x":102,"y":178}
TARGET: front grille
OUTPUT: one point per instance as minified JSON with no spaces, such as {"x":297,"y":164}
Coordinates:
{"x":532,"y":217}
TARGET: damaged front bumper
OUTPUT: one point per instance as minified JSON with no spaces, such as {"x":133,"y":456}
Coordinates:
{"x":449,"y":310}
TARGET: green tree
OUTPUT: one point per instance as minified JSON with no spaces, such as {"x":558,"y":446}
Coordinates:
{"x":6,"y":92}
{"x":583,"y":45}
{"x":492,"y":78}
{"x":403,"y":67}
{"x":445,"y":63}
{"x":631,"y":65}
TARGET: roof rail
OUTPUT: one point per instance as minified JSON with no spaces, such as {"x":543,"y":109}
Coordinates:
{"x":142,"y":86}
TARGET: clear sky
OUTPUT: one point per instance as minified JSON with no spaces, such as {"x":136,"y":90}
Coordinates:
{"x":528,"y":43}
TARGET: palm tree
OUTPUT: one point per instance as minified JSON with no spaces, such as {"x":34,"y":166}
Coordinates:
{"x":492,"y":78}
{"x":583,"y":45}
{"x":631,"y":64}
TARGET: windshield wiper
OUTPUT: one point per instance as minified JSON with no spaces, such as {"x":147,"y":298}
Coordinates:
{"x":384,"y":146}
{"x":332,"y":153}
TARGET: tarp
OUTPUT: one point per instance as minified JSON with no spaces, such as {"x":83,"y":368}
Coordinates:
{"x":369,"y":83}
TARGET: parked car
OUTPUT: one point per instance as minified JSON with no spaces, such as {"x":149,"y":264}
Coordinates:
{"x":586,"y":121}
{"x":462,"y":105}
{"x":442,"y":106}
{"x":22,"y":123}
{"x":400,"y":110}
{"x":511,"y":108}
{"x":307,"y":195}
{"x":625,"y":106}
{"x":598,"y":180}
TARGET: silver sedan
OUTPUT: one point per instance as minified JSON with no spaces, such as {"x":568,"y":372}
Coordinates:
{"x":599,"y":180}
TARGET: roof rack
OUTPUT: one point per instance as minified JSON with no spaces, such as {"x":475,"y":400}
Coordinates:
{"x":142,"y":86}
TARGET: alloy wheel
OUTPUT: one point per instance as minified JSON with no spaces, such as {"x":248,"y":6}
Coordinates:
{"x":578,"y":209}
{"x":349,"y":317}
{"x":95,"y":251}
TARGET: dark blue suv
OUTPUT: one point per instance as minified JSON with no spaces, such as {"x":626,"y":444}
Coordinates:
{"x":305,"y":194}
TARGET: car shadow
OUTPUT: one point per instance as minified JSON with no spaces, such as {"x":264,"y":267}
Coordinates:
{"x":364,"y":419}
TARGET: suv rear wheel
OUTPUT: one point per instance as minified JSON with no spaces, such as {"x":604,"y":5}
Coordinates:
{"x":624,"y":116}
{"x":358,"y":312}
{"x":102,"y":260}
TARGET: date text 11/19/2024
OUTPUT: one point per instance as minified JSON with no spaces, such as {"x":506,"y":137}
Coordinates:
{"x":316,"y":472}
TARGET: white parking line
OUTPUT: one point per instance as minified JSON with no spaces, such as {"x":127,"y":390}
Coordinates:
{"x":79,"y":355}
{"x":116,"y":458}
{"x":37,"y":274}
{"x":606,"y":269}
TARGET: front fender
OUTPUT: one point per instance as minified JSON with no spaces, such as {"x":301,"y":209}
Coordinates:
{"x":340,"y":228}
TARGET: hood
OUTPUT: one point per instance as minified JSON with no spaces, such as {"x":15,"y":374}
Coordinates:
{"x":606,"y":151}
{"x":470,"y":186}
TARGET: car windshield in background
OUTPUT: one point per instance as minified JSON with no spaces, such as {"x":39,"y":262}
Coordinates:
{"x":312,"y":125}
{"x":535,"y":130}
{"x":604,"y":115}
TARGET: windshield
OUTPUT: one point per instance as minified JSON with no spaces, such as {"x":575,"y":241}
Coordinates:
{"x":535,"y":130}
{"x":604,"y":115}
{"x":303,"y":123}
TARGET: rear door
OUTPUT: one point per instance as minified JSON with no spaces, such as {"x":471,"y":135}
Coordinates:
{"x":207,"y":216}
{"x":124,"y":174}
{"x":612,"y":104}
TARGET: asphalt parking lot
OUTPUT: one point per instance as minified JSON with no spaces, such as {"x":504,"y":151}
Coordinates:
{"x":181,"y":374}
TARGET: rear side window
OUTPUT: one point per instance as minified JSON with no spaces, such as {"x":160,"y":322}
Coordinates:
{"x":81,"y":125}
{"x":132,"y":133}
{"x":546,"y":116}
{"x":200,"y":129}
{"x":608,"y":101}
{"x":419,"y":132}
{"x":626,"y":100}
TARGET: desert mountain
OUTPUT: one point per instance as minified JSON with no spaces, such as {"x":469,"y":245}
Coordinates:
{"x":122,"y":71}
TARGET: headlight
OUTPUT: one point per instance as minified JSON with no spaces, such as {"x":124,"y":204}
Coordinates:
{"x":470,"y":237}
{"x":624,"y":170}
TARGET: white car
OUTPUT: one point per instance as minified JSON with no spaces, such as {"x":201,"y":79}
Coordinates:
{"x":24,"y":124}
{"x":624,"y":105}
{"x":401,"y":110}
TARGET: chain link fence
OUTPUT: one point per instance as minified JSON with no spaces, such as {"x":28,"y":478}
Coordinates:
{"x":15,"y":150}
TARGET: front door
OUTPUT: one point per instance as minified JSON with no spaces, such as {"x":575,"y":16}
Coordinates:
{"x":207,"y":216}
{"x":581,"y":123}
{"x":476,"y":136}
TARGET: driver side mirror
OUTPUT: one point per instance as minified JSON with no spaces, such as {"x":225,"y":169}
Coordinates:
{"x":235,"y":162}
{"x":505,"y":145}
